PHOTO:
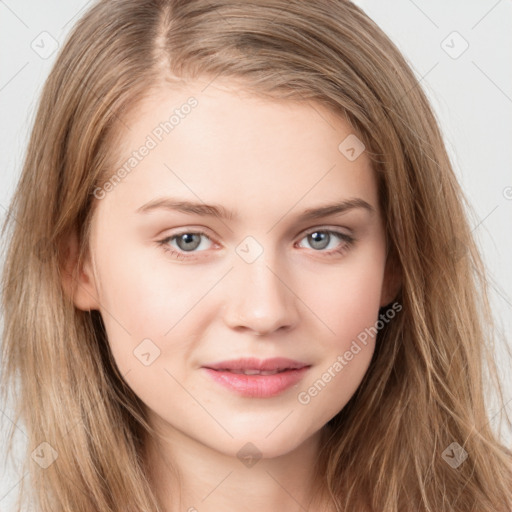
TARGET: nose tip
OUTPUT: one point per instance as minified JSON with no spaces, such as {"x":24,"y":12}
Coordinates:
{"x":264,"y":328}
{"x":259,"y":301}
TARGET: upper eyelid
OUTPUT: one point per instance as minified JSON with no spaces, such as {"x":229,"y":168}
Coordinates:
{"x":327,"y":229}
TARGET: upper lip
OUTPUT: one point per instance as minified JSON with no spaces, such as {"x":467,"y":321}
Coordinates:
{"x":251,"y":363}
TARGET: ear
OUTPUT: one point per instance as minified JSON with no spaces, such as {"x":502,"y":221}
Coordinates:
{"x":78,"y":282}
{"x":392,"y":281}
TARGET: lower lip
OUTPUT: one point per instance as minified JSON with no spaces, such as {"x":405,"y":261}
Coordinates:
{"x":258,"y":386}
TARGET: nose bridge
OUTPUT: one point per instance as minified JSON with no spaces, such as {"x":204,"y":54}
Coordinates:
{"x":259,"y":298}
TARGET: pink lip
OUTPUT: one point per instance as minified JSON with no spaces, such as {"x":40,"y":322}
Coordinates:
{"x":257,"y":386}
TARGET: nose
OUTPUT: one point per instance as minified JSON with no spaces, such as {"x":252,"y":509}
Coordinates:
{"x":259,"y":298}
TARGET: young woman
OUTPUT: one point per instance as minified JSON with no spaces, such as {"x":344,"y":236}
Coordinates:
{"x":240,"y":275}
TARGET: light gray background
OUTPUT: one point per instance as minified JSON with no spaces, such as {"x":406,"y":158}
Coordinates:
{"x":471,"y":93}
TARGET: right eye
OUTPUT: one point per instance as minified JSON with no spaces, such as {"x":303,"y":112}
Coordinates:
{"x":185,"y":242}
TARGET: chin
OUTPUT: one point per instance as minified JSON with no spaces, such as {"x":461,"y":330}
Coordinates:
{"x":253,"y":443}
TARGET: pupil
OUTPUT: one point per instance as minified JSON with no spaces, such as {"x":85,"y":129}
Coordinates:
{"x":319,"y":239}
{"x":188,"y":240}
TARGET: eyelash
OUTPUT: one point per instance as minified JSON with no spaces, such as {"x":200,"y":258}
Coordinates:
{"x":347,"y":239}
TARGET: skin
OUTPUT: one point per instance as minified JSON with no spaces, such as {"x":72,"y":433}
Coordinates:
{"x":268,"y":161}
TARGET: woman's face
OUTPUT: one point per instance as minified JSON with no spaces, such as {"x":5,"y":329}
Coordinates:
{"x":287,"y":262}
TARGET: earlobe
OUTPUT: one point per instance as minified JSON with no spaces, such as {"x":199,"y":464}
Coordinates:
{"x":78,"y":278}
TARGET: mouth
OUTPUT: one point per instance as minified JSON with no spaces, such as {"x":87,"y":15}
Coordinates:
{"x":257,"y":378}
{"x":249,"y":371}
{"x":253,"y":366}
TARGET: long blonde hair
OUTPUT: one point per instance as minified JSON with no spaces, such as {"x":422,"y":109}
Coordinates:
{"x":426,"y":385}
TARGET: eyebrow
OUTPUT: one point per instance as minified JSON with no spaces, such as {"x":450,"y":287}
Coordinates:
{"x":218,"y":211}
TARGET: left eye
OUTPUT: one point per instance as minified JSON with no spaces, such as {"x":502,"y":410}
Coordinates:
{"x":186,"y":242}
{"x":320,"y":239}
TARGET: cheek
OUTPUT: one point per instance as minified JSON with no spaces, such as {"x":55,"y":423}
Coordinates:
{"x":144,"y":298}
{"x":349,"y":306}
{"x":151,"y":321}
{"x":349,"y":302}
{"x":345,"y":361}
{"x":154,"y":315}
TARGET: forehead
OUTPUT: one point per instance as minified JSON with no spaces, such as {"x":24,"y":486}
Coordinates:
{"x":221,"y":143}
